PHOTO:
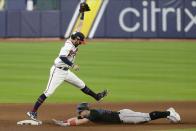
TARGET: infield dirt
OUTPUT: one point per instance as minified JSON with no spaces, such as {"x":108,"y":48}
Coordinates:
{"x":11,"y":113}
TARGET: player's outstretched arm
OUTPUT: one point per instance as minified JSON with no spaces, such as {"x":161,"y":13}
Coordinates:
{"x":83,"y":8}
{"x":75,"y":121}
{"x":71,"y":122}
{"x":79,"y":27}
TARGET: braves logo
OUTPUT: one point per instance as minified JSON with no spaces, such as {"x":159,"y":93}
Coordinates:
{"x":73,"y":53}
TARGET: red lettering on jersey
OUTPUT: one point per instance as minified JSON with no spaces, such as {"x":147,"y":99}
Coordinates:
{"x":73,"y":53}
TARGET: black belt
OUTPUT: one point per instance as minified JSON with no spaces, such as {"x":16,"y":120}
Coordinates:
{"x":63,"y":68}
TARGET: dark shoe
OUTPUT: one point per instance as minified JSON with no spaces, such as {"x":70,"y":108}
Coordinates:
{"x":101,"y":95}
{"x":32,"y":115}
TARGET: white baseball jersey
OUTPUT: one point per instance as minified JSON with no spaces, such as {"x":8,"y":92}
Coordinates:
{"x":58,"y":76}
{"x":69,"y":51}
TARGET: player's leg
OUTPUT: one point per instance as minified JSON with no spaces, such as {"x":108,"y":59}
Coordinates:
{"x":159,"y":114}
{"x":129,"y":116}
{"x":55,"y":79}
{"x":74,"y":80}
{"x":170,"y":114}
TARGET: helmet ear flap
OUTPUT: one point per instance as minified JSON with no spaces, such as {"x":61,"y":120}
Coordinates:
{"x":73,"y":36}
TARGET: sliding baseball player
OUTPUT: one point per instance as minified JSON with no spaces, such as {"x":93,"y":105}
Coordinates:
{"x":126,"y":116}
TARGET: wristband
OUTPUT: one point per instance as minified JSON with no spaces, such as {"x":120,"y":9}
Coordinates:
{"x":82,"y":16}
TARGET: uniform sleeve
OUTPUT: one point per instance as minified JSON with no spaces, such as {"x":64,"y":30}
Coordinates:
{"x":65,"y":50}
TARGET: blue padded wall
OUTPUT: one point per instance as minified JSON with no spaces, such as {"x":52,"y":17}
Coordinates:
{"x":67,"y":13}
{"x":2,"y":24}
{"x":13,"y":23}
{"x":30,"y":24}
{"x":15,"y":4}
{"x":50,"y":24}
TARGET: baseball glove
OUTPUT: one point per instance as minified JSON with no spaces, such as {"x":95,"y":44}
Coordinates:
{"x":84,"y":7}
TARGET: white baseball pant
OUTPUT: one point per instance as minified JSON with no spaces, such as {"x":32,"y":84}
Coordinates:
{"x":129,"y":116}
{"x":58,"y":76}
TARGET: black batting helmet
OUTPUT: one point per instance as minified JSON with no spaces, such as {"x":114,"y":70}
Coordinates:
{"x":82,"y":106}
{"x":78,"y":35}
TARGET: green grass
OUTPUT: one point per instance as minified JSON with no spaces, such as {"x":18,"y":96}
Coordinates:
{"x":132,"y":71}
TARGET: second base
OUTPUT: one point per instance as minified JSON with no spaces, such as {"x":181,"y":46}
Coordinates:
{"x":29,"y":122}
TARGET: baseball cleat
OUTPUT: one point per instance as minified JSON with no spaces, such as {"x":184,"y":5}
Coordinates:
{"x":174,"y":117}
{"x":32,"y":115}
{"x":101,"y":95}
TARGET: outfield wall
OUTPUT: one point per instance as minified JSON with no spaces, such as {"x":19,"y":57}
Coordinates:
{"x":114,"y":19}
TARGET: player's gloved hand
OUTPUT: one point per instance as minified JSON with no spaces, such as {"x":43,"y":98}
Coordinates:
{"x":76,"y":67}
{"x":84,"y":7}
{"x":65,"y":124}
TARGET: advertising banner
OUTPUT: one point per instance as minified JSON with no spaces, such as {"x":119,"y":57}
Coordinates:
{"x":149,"y":18}
{"x":190,"y":19}
{"x":107,"y":19}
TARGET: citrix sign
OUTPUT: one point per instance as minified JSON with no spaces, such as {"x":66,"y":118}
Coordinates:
{"x":164,"y":12}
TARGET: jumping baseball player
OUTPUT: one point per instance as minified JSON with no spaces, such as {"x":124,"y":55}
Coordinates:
{"x":127,"y":116}
{"x":60,"y":72}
